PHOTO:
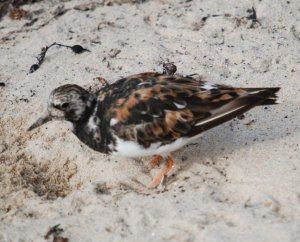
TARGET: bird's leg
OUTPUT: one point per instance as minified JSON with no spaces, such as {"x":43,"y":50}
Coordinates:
{"x":154,"y":161}
{"x":156,"y":181}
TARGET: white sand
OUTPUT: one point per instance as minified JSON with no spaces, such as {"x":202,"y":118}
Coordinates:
{"x":238,"y":183}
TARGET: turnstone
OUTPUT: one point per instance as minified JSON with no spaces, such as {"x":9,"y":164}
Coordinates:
{"x":150,"y":114}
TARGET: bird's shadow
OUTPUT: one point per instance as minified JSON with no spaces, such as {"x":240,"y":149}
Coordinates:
{"x":261,"y":125}
{"x":265,"y":125}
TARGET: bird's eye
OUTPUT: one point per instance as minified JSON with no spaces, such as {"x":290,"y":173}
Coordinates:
{"x":65,"y":105}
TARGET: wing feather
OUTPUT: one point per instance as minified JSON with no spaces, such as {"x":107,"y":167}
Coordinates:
{"x":151,"y":107}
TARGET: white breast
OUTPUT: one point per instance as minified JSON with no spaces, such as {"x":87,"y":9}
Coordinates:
{"x":133,"y":149}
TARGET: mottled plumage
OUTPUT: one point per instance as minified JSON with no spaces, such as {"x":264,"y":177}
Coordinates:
{"x":150,"y":113}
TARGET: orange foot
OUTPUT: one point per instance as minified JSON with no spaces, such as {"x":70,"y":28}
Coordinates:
{"x":154,"y":162}
{"x":157,"y":180}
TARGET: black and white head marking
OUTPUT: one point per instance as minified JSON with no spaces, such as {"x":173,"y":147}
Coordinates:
{"x":71,"y":101}
{"x":68,"y":102}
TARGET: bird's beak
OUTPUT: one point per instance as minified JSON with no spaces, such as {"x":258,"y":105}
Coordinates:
{"x":46,"y":117}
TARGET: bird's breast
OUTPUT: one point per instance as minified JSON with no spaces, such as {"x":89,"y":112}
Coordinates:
{"x":127,"y":148}
{"x":93,"y":135}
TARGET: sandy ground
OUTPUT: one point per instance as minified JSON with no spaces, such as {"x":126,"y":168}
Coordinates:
{"x":239,"y":182}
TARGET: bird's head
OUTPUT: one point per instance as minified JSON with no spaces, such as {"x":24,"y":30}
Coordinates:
{"x":68,"y":102}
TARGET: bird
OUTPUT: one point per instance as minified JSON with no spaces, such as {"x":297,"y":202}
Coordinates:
{"x":150,"y":114}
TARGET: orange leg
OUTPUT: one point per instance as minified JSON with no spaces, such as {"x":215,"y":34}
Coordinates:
{"x":154,"y":161}
{"x":156,"y":181}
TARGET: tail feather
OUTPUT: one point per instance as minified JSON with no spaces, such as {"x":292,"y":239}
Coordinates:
{"x":255,"y":96}
{"x":269,"y":92}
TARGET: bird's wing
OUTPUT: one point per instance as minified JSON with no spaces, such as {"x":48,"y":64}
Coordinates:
{"x":152,"y":107}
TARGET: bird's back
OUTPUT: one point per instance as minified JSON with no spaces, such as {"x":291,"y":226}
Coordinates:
{"x":149,"y":108}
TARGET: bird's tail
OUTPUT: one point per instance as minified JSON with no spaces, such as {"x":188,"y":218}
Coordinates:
{"x":238,"y":106}
{"x":270,"y":93}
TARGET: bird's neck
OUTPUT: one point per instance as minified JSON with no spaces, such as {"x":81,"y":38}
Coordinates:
{"x":88,"y":112}
{"x":88,"y":129}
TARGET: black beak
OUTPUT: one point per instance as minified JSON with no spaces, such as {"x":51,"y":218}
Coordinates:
{"x":46,"y":117}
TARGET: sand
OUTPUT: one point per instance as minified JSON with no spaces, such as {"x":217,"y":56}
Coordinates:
{"x":239,"y":182}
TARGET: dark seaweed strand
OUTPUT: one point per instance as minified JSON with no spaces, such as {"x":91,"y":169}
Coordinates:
{"x":78,"y":49}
